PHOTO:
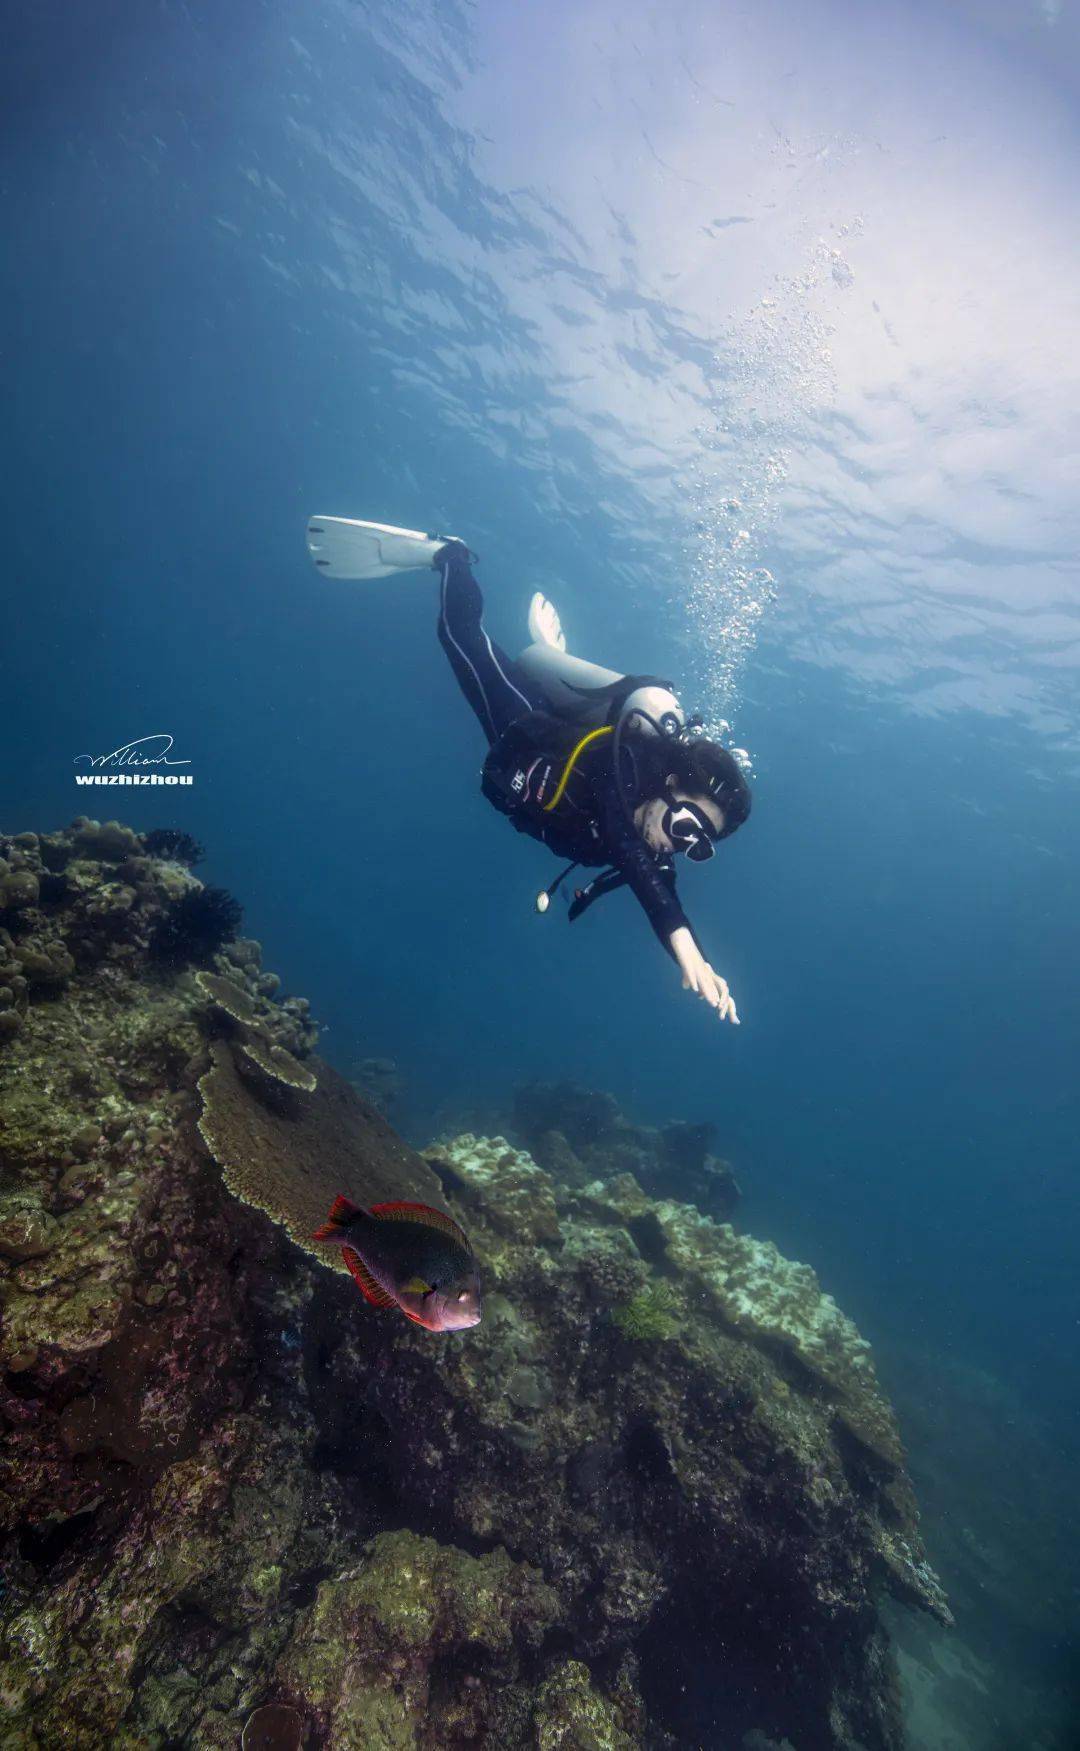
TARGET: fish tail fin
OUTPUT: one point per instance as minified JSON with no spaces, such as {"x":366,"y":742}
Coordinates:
{"x":342,"y":1211}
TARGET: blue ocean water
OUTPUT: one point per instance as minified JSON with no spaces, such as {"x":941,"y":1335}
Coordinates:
{"x":747,"y":336}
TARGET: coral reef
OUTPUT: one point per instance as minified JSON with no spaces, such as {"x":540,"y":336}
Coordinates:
{"x":174,"y":843}
{"x":289,"y":1154}
{"x":379,"y":1081}
{"x":580,"y":1135}
{"x":409,"y":1630}
{"x":241,"y":1508}
{"x":200,"y":922}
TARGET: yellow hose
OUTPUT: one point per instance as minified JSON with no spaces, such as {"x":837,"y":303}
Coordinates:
{"x":605,"y":730}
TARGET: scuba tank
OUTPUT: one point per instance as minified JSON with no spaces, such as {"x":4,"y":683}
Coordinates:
{"x":587,"y":694}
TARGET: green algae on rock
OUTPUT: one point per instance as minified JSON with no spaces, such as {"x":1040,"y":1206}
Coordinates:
{"x":775,"y":1302}
{"x":570,"y":1714}
{"x":104,"y":1274}
{"x":762,"y":1336}
{"x":650,"y":1314}
{"x":369,"y":1648}
{"x":90,"y":1665}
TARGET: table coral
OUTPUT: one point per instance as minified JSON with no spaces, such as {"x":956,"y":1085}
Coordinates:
{"x":290,"y":1156}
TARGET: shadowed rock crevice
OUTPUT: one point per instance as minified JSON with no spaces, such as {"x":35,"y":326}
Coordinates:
{"x":46,"y":1544}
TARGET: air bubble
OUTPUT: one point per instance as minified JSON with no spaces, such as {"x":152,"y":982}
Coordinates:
{"x":775,"y":369}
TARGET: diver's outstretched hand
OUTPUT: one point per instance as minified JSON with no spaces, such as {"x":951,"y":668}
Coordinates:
{"x":699,"y":977}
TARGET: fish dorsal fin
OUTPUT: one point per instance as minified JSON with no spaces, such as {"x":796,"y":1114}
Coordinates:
{"x":405,"y":1211}
{"x":373,"y":1292}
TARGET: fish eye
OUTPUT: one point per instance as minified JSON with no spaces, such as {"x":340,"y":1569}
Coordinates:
{"x":463,"y":1294}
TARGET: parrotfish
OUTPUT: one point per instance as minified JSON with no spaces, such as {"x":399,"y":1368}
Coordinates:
{"x":409,"y":1256}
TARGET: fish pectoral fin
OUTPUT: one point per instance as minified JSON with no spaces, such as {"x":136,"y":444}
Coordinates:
{"x":362,"y":1277}
{"x":416,"y":1286}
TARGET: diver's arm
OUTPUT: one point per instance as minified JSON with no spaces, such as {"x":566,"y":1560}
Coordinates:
{"x":699,"y":977}
{"x":653,"y":886}
{"x":651,"y":882}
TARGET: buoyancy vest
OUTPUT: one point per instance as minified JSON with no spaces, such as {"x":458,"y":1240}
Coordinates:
{"x":539,"y":773}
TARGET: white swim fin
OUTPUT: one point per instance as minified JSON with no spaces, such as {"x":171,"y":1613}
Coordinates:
{"x":545,"y":627}
{"x":343,"y":548}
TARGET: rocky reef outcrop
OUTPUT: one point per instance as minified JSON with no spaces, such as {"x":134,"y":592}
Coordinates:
{"x":653,"y":1500}
{"x":579,"y":1134}
{"x":380,"y":1081}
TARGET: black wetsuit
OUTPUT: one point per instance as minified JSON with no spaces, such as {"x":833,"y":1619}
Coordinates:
{"x":529,"y":748}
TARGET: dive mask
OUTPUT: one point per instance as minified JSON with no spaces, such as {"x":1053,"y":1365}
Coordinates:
{"x":690,"y":830}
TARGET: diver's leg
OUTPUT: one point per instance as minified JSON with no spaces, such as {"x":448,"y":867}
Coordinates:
{"x":493,"y":684}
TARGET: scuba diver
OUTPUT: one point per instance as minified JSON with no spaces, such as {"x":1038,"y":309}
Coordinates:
{"x":603,"y":769}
